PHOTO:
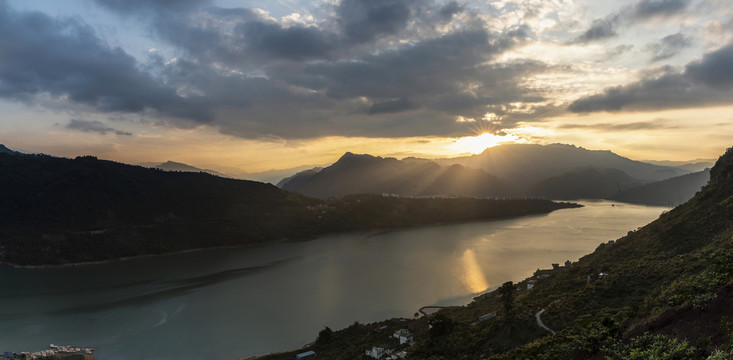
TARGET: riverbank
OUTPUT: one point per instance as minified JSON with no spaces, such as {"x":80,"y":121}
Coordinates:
{"x":415,"y":213}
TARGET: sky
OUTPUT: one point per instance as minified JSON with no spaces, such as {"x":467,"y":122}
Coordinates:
{"x":252,"y":85}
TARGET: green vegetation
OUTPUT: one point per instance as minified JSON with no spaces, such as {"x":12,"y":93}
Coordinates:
{"x":59,"y":211}
{"x":665,"y":294}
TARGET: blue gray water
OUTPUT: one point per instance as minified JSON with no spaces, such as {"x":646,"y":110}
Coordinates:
{"x":231,"y":303}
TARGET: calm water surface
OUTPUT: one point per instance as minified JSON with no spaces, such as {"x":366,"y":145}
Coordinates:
{"x":230,"y":303}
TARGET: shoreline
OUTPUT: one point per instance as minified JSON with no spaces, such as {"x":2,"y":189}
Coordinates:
{"x":368,"y":234}
{"x":135,"y":257}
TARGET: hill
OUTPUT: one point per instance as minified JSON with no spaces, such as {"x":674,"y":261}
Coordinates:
{"x":525,"y":164}
{"x":696,"y":165}
{"x":176,"y":166}
{"x":661,"y":292}
{"x":583,"y":183}
{"x":357,"y":174}
{"x":5,"y":150}
{"x":58,"y":211}
{"x":669,"y":192}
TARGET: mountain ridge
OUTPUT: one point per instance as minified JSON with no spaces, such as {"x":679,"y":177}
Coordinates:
{"x":363,"y":173}
{"x":546,"y":171}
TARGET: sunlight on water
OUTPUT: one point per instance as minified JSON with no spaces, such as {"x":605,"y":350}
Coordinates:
{"x":473,"y":276}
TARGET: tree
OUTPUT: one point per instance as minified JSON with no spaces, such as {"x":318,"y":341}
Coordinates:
{"x":325,"y":336}
{"x":440,"y":325}
{"x":507,"y":297}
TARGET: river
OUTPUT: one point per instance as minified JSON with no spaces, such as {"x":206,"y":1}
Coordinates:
{"x":231,"y":303}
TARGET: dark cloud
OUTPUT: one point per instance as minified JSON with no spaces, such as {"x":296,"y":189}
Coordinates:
{"x":708,"y":81}
{"x":95,"y":127}
{"x":448,"y":10}
{"x":669,"y":46}
{"x":632,"y":126}
{"x":643,"y":10}
{"x":714,"y":69}
{"x":137,"y":6}
{"x":617,"y":51}
{"x":600,"y":29}
{"x":391,"y":106}
{"x":256,"y":77}
{"x":65,"y":58}
{"x":295,"y":43}
{"x":364,"y":20}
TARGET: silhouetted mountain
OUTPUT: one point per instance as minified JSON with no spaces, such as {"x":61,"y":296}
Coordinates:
{"x":5,"y":150}
{"x":585,"y":183}
{"x":57,"y":211}
{"x":366,"y":174}
{"x":551,"y":171}
{"x":525,"y":164}
{"x":176,"y":166}
{"x":669,"y":192}
{"x":692,"y":165}
{"x":299,"y":179}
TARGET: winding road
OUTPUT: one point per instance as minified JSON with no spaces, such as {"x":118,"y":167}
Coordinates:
{"x":540,"y":323}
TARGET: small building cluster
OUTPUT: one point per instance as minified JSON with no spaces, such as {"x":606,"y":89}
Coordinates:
{"x":378,"y":352}
{"x":393,"y":352}
{"x":54,"y":350}
{"x":404,"y":336}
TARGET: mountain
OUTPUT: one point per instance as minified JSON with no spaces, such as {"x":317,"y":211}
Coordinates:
{"x":274,"y":176}
{"x":5,"y":150}
{"x":583,"y":183}
{"x":525,"y":164}
{"x":663,"y":291}
{"x":357,"y":174}
{"x":691,"y":165}
{"x":60,"y":211}
{"x":176,"y":166}
{"x":549,"y":171}
{"x":669,"y":192}
{"x":298,"y":179}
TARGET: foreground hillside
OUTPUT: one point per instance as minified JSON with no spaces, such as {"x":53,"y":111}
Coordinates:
{"x":58,"y":211}
{"x":663,"y":291}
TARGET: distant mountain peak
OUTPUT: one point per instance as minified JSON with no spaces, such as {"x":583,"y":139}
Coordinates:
{"x":350,"y":157}
{"x":5,"y":150}
{"x":176,"y":166}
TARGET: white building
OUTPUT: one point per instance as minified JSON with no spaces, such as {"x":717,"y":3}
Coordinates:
{"x":403,"y":335}
{"x":376,"y":352}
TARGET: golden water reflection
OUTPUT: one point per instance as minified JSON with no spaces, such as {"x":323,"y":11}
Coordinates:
{"x":473,"y":276}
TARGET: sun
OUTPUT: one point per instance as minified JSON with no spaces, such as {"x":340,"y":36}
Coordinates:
{"x":479,"y":143}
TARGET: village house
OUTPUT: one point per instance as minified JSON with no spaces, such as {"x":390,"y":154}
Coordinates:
{"x":404,"y":336}
{"x":378,"y":352}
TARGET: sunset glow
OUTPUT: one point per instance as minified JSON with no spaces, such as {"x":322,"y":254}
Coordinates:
{"x":479,"y":143}
{"x":279,"y":85}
